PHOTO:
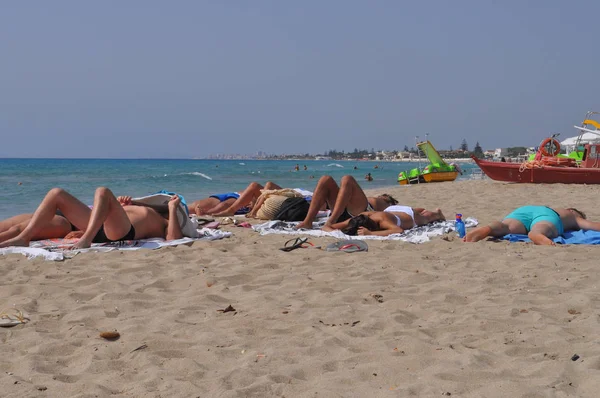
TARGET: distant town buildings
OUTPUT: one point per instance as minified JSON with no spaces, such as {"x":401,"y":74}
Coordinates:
{"x":377,"y":155}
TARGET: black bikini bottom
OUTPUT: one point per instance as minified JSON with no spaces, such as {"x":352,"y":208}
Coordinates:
{"x":101,"y":236}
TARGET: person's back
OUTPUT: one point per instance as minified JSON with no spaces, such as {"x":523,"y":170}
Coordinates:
{"x":574,"y":220}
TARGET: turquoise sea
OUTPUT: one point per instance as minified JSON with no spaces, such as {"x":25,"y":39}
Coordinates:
{"x":194,"y":179}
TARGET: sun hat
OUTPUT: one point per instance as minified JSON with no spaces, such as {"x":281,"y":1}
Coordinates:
{"x":273,"y":202}
{"x":270,"y":207}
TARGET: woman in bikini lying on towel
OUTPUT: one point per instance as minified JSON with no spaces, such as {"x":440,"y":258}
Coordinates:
{"x":344,"y":200}
{"x":111,"y":219}
{"x":228,"y":204}
{"x":393,"y":220}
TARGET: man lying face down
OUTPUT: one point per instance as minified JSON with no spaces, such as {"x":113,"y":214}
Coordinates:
{"x":540,"y":223}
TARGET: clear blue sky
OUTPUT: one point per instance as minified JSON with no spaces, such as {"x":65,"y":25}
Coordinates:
{"x":190,"y":78}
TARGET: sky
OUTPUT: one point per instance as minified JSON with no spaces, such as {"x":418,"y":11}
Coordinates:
{"x":182,"y":79}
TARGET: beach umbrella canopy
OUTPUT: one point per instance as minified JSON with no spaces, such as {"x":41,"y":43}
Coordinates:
{"x":586,"y":138}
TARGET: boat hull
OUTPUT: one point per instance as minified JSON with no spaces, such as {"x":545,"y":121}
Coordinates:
{"x":441,"y":176}
{"x":512,"y":172}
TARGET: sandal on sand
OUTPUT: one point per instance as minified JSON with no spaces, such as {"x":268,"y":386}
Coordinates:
{"x":204,"y":220}
{"x":13,"y":317}
{"x":296,"y":243}
{"x":348,"y":246}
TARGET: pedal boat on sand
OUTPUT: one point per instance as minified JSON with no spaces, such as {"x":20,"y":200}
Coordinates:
{"x":436,"y":171}
{"x":549,"y":166}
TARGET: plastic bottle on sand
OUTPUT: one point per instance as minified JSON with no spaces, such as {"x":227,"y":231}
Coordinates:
{"x":459,"y":225}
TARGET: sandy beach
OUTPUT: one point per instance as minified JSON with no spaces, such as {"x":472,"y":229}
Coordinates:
{"x":443,"y":318}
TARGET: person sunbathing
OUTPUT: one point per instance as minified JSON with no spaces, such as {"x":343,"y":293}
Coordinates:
{"x":231,"y":206}
{"x":57,"y":227}
{"x":111,"y":219}
{"x":540,"y":223}
{"x":393,"y":220}
{"x":214,"y":203}
{"x":344,"y":200}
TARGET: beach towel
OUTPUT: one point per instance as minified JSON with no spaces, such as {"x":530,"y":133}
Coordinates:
{"x":414,"y":235}
{"x":187,"y":225}
{"x":568,"y":238}
{"x":59,"y":249}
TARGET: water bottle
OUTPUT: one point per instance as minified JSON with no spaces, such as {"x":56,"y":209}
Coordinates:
{"x":459,"y":225}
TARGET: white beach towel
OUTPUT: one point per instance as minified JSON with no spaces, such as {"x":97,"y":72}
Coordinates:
{"x":58,"y":249}
{"x":414,"y":235}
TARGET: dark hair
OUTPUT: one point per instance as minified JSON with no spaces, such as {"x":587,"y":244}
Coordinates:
{"x":389,"y":198}
{"x":582,"y":214}
{"x":360,"y":221}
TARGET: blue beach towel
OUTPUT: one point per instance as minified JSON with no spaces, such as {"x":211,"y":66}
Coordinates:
{"x":568,"y":238}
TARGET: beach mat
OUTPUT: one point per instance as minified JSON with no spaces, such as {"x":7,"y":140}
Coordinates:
{"x":59,"y":249}
{"x":414,"y":235}
{"x":568,"y":238}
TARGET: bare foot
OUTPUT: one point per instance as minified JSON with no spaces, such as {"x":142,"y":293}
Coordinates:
{"x":478,"y":234}
{"x":327,"y":228}
{"x":541,"y":239}
{"x":15,"y":242}
{"x":200,"y":212}
{"x":304,"y":225}
{"x":82,"y":244}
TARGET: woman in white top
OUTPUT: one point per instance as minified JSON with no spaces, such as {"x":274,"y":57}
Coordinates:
{"x":393,"y":220}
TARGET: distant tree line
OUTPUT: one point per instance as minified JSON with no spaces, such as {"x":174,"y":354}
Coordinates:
{"x":356,"y":154}
{"x":461,"y":152}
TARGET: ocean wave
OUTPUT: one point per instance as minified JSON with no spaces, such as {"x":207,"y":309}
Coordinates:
{"x":197,"y":173}
{"x":193,"y":173}
{"x":335,"y":164}
{"x":242,"y":164}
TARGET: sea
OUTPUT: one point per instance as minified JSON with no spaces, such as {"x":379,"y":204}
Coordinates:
{"x":24,"y":182}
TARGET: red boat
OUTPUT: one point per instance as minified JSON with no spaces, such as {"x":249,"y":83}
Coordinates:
{"x":548,"y":169}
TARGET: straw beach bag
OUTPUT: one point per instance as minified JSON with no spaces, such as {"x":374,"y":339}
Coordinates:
{"x":273,"y":202}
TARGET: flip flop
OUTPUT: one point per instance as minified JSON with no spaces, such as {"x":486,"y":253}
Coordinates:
{"x":204,"y":220}
{"x":296,"y":243}
{"x":13,"y":317}
{"x":348,"y":246}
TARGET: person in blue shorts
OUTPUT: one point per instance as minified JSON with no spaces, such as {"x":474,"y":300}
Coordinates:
{"x":228,"y":204}
{"x":540,"y":223}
